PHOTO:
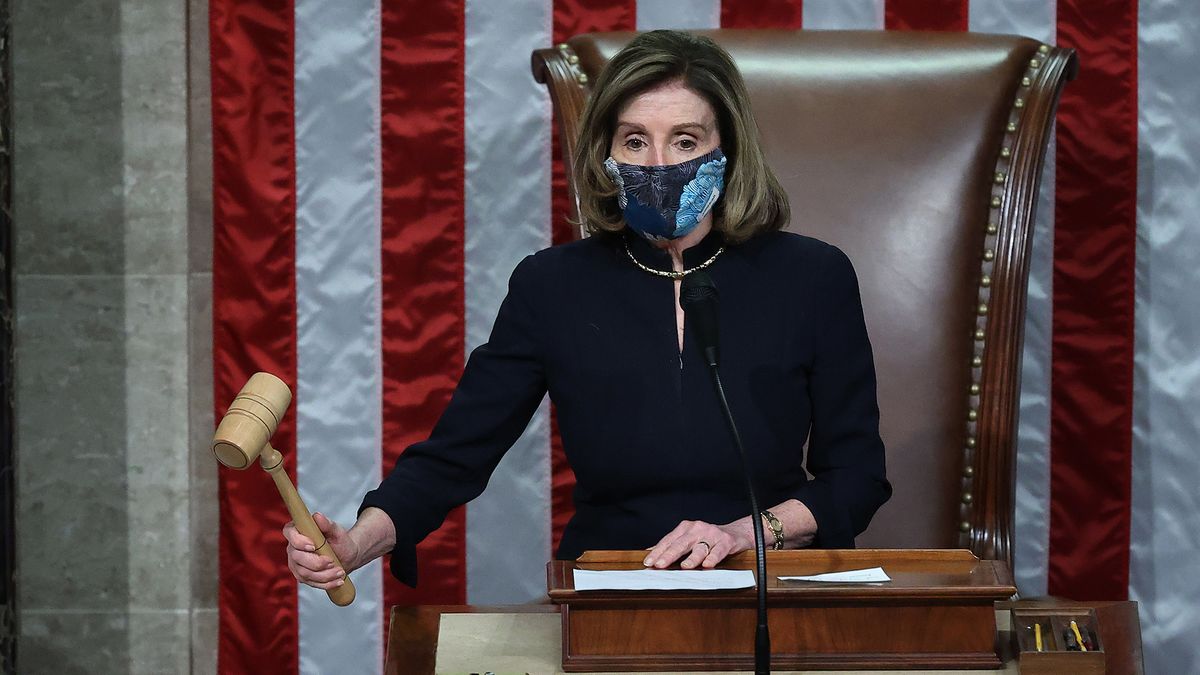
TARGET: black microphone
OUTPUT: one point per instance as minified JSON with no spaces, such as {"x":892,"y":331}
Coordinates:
{"x":699,"y":300}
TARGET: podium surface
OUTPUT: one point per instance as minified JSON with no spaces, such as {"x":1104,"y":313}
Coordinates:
{"x":942,"y":611}
{"x":937,"y":612}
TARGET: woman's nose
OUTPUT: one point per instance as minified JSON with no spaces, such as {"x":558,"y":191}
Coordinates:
{"x":657,"y":157}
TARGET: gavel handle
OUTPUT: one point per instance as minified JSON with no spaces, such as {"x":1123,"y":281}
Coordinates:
{"x":272,"y":463}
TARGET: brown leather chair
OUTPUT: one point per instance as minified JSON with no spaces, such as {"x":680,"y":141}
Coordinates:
{"x":919,"y":155}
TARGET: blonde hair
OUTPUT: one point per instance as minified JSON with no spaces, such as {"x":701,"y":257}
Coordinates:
{"x":753,"y":202}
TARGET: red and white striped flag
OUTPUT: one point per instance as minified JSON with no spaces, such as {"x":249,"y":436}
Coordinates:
{"x":380,"y":168}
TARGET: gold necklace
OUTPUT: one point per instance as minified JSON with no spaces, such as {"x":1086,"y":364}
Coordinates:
{"x":672,"y":274}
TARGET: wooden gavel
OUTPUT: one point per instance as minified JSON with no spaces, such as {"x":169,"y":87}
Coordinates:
{"x":245,"y":433}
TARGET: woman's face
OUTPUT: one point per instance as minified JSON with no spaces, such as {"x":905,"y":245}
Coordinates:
{"x":665,"y":125}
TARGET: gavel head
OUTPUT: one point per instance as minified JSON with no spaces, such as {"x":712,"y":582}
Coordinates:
{"x":251,"y":420}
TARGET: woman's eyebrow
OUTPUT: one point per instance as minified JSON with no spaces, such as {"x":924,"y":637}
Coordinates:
{"x":630,"y":126}
{"x":691,"y":127}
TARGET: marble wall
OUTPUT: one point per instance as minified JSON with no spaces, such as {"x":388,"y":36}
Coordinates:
{"x":116,"y":513}
{"x":202,"y":505}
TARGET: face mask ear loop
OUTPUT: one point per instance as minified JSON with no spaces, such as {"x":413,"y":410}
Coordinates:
{"x":614,"y":172}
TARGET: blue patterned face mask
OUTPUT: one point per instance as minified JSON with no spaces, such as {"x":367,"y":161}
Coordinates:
{"x":667,"y":202}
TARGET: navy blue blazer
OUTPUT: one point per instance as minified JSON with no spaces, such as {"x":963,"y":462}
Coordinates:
{"x":640,"y":421}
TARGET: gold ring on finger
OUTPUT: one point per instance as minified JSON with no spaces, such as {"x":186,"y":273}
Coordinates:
{"x":706,"y":544}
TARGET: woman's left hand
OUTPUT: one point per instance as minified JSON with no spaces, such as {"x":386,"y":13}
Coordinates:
{"x":703,"y":544}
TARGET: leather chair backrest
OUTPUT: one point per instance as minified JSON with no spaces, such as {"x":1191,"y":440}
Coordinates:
{"x":919,"y":155}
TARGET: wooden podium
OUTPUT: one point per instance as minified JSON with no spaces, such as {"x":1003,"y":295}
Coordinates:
{"x":938,"y":612}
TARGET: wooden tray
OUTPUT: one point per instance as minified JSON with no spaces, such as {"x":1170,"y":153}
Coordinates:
{"x":1055,"y":655}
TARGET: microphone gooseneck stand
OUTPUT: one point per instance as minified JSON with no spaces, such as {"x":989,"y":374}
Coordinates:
{"x":698,"y":298}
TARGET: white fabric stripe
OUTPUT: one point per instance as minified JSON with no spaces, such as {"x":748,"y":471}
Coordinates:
{"x":338,"y":397}
{"x":680,"y":14}
{"x":843,"y":14}
{"x":1031,"y":554}
{"x":1166,"y":505}
{"x":1036,"y":19}
{"x":507,"y":218}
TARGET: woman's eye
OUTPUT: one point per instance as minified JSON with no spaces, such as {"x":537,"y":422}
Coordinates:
{"x":687,"y":144}
{"x":635,"y":144}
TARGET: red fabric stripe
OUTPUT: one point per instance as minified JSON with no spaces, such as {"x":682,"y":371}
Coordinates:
{"x":926,"y":14}
{"x":254,"y":315}
{"x":762,"y":14}
{"x":572,"y":17}
{"x":424,"y":339}
{"x":1095,"y":238}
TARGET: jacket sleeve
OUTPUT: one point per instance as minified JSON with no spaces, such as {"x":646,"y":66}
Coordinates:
{"x":500,"y":388}
{"x":845,"y":452}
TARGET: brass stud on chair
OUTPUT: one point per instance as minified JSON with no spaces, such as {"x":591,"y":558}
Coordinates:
{"x":964,"y":526}
{"x":581,"y":78}
{"x":991,"y":228}
{"x":999,"y":177}
{"x":573,"y":59}
{"x":1025,"y":81}
{"x":562,"y":46}
{"x":1012,"y":126}
{"x":1019,"y":103}
{"x":995,"y":201}
{"x":967,"y":498}
{"x":972,"y":414}
{"x":982,"y":309}
{"x":974,"y":389}
{"x":989,"y":255}
{"x":1006,"y":152}
{"x":976,"y":361}
{"x":1034,"y":63}
{"x":985,"y":281}
{"x":969,"y":471}
{"x":970,"y":443}
{"x":1043,"y":49}
{"x":979,"y":335}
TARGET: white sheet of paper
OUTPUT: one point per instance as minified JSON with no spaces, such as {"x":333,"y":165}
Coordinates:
{"x":867,"y":576}
{"x":662,"y":580}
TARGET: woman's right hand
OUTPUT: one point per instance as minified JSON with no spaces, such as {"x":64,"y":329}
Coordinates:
{"x":316,"y":570}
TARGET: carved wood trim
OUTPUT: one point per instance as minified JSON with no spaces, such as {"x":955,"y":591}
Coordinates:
{"x":990,"y":446}
{"x":559,"y":70}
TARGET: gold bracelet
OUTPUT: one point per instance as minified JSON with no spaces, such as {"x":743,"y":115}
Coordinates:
{"x":776,"y":528}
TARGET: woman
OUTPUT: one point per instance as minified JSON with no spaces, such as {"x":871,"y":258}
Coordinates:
{"x":671,"y":179}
